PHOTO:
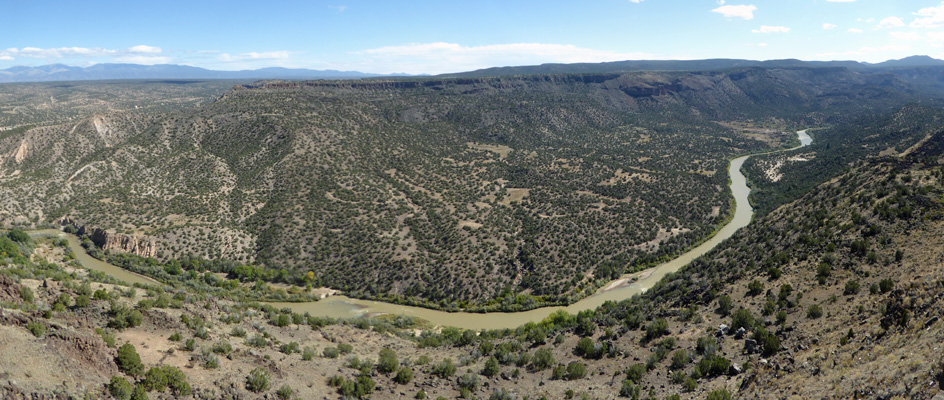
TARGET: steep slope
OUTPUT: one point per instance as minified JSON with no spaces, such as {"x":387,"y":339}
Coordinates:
{"x":443,"y":192}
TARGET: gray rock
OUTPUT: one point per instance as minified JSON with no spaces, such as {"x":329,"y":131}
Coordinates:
{"x":740,"y":333}
{"x":751,"y":346}
{"x":734,"y":369}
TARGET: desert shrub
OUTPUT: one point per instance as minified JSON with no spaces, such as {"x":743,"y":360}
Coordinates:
{"x":139,"y":393}
{"x":680,"y":359}
{"x":387,"y":362}
{"x":491,"y":367}
{"x":257,"y":381}
{"x":755,"y":288}
{"x":636,"y":372}
{"x":129,"y":361}
{"x":852,"y":288}
{"x":719,"y":395}
{"x":120,"y":388}
{"x":345,"y":348}
{"x":711,"y":366}
{"x":308,"y":354}
{"x":37,"y":328}
{"x":724,"y":305}
{"x":222,"y":347}
{"x":330,"y":352}
{"x":706,"y":345}
{"x":814,"y":311}
{"x":445,"y":369}
{"x":576,"y":370}
{"x":656,"y":329}
{"x":289,"y":348}
{"x":404,"y":375}
{"x":162,"y":377}
{"x":469,"y":381}
{"x":886,"y":285}
{"x":629,"y":389}
{"x":258,"y":340}
{"x":27,"y":294}
{"x":285,"y":392}
{"x":769,"y":343}
{"x":543,"y":359}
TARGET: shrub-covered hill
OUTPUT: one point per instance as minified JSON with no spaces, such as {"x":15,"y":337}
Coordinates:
{"x":839,"y":291}
{"x":445,"y":192}
{"x":839,"y":295}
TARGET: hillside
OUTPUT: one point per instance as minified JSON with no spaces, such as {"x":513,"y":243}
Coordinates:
{"x":839,"y":294}
{"x":502,"y":193}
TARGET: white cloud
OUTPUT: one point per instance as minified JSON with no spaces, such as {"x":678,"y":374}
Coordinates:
{"x":762,"y":44}
{"x":636,"y":1}
{"x":840,"y":1}
{"x":266,"y":55}
{"x":828,"y":26}
{"x":905,"y":35}
{"x":740,"y":11}
{"x":855,"y":30}
{"x":891,"y":22}
{"x":443,"y":57}
{"x":929,"y":17}
{"x":141,"y":48}
{"x":339,"y":9}
{"x":771,"y":29}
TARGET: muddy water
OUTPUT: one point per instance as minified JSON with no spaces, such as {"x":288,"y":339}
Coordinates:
{"x":93,"y":263}
{"x":344,"y":307}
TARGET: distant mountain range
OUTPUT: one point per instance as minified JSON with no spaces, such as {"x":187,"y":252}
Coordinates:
{"x":60,"y":72}
{"x":691,"y":65}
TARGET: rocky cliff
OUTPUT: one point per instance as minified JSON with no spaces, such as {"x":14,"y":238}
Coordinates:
{"x":112,"y":241}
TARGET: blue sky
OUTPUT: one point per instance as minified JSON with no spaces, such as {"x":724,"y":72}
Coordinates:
{"x":427,"y":36}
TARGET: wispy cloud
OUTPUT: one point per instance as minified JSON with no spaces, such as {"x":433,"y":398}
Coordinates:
{"x":440,"y":57}
{"x":929,"y":17}
{"x":140,"y":54}
{"x":855,"y":30}
{"x":771,"y":29}
{"x":829,"y":26}
{"x":840,"y":1}
{"x":265,"y":55}
{"x":891,"y":22}
{"x":339,"y":9}
{"x":739,"y":11}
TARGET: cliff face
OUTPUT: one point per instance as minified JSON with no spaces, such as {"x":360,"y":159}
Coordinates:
{"x":112,"y":241}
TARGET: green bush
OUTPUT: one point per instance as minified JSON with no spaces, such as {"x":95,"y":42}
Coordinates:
{"x":656,"y":329}
{"x":330,"y":352}
{"x":139,"y":393}
{"x":285,"y":392}
{"x":258,"y":380}
{"x":719,"y":395}
{"x":388,"y":361}
{"x":37,"y":328}
{"x":742,"y":319}
{"x":814,"y":311}
{"x":629,"y":389}
{"x":129,"y":361}
{"x":445,"y":368}
{"x":576,"y":370}
{"x":491,"y":367}
{"x":404,"y":375}
{"x":120,"y":388}
{"x":165,"y":376}
{"x":543,"y":359}
{"x":680,"y":359}
{"x":852,"y":288}
{"x":711,"y":366}
{"x":345,"y":348}
{"x":636,"y":372}
{"x":27,"y":294}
